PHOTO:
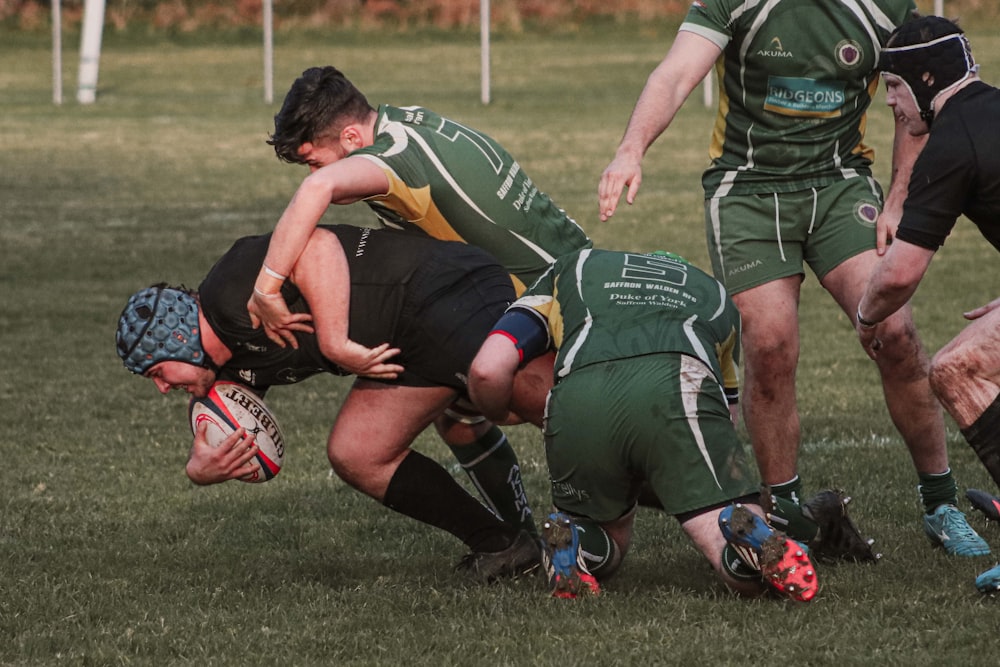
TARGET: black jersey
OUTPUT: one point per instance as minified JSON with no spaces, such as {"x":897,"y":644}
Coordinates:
{"x":435,"y":300}
{"x":957,"y":172}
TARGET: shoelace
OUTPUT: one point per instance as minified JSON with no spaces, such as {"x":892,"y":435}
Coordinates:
{"x":956,"y":527}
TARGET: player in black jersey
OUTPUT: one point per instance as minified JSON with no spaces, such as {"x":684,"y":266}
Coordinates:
{"x":933,"y":87}
{"x":436,"y":301}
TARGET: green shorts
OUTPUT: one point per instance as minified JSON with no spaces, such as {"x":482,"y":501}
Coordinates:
{"x":754,"y":239}
{"x":662,"y":418}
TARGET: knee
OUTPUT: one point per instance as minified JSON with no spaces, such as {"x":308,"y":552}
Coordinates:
{"x":899,"y":335}
{"x":902,"y":353}
{"x":949,"y":369}
{"x":458,"y":429}
{"x":341,"y":463}
{"x":770,"y":355}
{"x":350,"y":464}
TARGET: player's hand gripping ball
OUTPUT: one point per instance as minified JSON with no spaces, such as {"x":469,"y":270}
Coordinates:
{"x":230,"y":405}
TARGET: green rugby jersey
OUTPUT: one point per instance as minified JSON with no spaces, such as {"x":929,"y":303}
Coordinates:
{"x":601,"y":305}
{"x":458,"y":184}
{"x":796,"y":78}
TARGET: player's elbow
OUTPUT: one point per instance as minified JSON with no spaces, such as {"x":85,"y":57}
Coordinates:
{"x":488,"y":390}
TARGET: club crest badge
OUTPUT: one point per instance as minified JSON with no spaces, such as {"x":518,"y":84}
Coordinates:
{"x":866,"y":213}
{"x":848,"y":54}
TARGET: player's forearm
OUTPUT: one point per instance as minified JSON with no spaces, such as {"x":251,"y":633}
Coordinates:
{"x":888,"y":290}
{"x":654,"y":111}
{"x":324,"y":279}
{"x":493,"y":399}
{"x":296,"y":225}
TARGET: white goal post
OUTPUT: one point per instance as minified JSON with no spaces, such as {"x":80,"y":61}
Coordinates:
{"x":90,"y":50}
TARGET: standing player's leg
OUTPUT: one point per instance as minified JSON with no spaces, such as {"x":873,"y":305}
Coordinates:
{"x":770,"y":340}
{"x":756,"y":245}
{"x":965,"y":376}
{"x":903,"y":366}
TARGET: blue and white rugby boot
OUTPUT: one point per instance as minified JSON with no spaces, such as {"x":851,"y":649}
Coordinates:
{"x":947,"y":527}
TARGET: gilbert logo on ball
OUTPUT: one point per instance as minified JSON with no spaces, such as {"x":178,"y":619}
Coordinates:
{"x":230,"y":405}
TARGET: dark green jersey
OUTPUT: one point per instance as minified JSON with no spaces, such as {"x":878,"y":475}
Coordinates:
{"x":796,"y":78}
{"x":601,"y":305}
{"x":458,"y":184}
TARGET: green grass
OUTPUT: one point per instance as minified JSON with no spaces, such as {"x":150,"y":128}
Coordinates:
{"x":108,"y":555}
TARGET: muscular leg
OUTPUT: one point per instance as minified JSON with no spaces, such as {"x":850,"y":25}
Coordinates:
{"x":770,"y":356}
{"x":915,"y":411}
{"x":965,"y":373}
{"x":369,"y":448}
{"x":903,"y":366}
{"x":375,"y":427}
{"x":965,"y":376}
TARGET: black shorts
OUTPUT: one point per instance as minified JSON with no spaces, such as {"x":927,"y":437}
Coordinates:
{"x":451,"y":308}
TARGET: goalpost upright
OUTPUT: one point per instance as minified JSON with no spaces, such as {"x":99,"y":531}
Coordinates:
{"x":90,"y":51}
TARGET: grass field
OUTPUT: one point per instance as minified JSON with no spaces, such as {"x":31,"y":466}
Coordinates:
{"x":108,"y":555}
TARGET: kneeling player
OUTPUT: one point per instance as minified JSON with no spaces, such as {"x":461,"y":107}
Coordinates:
{"x":644,"y":392}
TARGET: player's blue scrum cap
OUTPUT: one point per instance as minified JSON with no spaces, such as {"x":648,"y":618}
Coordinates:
{"x":931,"y":55}
{"x":160,"y":323}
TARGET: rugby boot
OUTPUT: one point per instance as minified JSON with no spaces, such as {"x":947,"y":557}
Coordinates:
{"x":783,"y":563}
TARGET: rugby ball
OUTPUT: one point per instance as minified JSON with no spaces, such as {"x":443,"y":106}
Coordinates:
{"x":230,"y":405}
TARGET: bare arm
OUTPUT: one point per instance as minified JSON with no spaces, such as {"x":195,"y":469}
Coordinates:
{"x":891,"y":285}
{"x":323,"y":276}
{"x":343,"y":182}
{"x":905,"y":149}
{"x":688,"y":62}
{"x":491,"y":377}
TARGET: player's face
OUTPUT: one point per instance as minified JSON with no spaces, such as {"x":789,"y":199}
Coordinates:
{"x":317,"y":156}
{"x":904,"y":107}
{"x":168,"y":375}
{"x":322,"y":152}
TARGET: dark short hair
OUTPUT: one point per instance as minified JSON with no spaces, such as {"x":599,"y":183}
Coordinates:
{"x":320,"y":103}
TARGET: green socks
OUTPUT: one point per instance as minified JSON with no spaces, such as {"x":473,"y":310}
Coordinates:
{"x":937,"y":489}
{"x":492,"y":466}
{"x":786,"y":512}
{"x":598,"y":550}
{"x":734,"y":565}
